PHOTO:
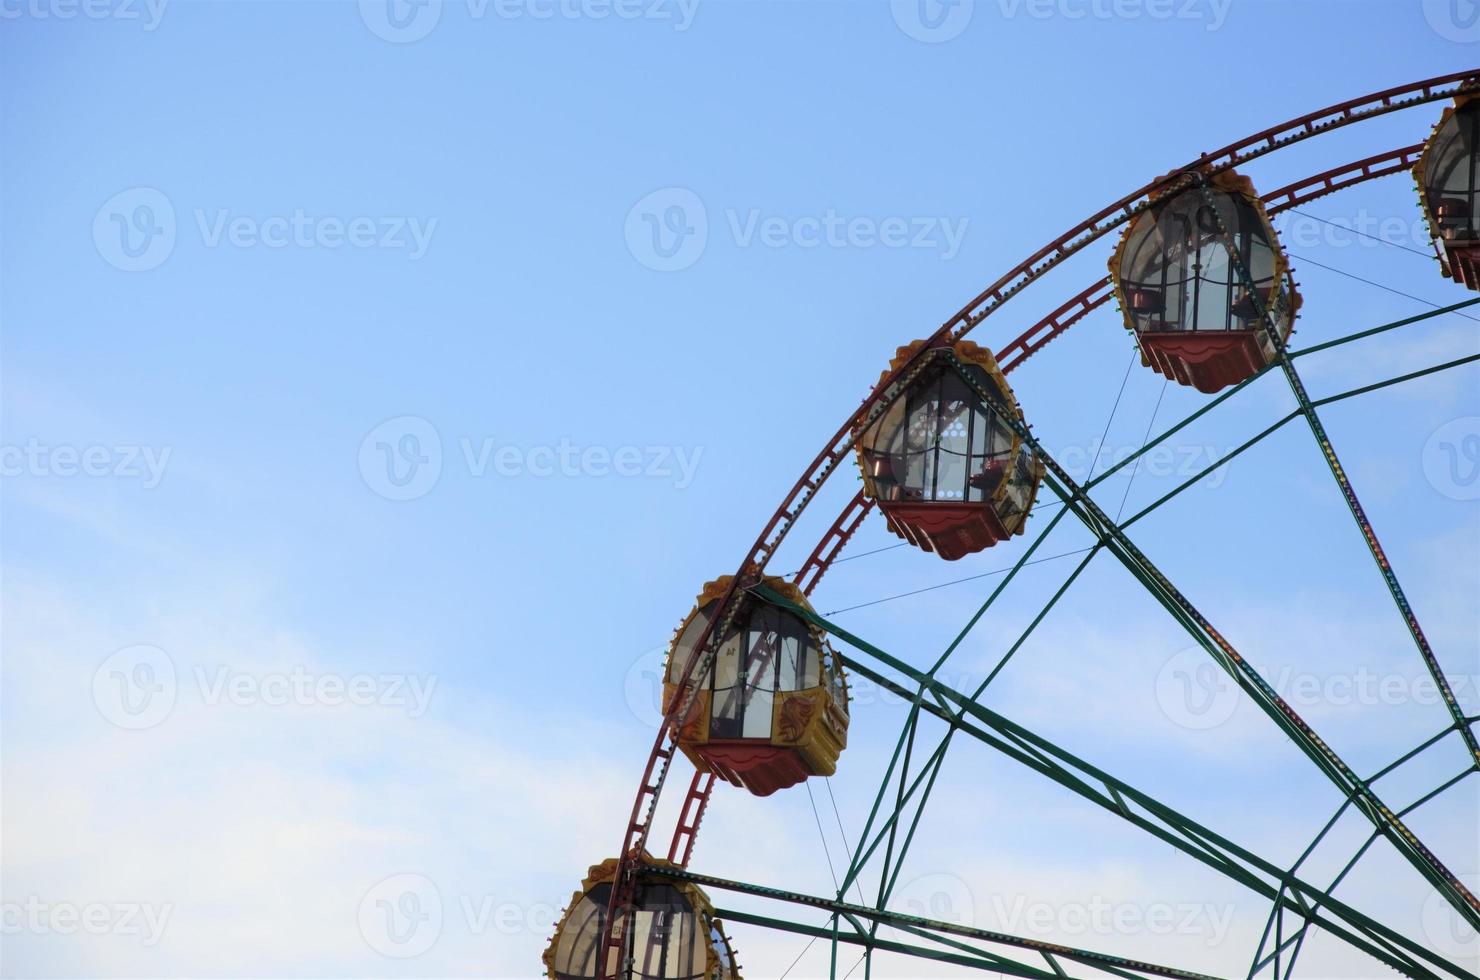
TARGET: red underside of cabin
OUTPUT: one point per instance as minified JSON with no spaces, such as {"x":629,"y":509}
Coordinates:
{"x":756,"y":766}
{"x":950,"y":529}
{"x":1462,"y":258}
{"x":1206,"y":361}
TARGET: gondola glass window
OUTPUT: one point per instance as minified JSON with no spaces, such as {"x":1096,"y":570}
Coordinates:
{"x":675,"y":935}
{"x":943,"y":463}
{"x":771,"y":708}
{"x":1447,"y":175}
{"x":1190,"y":304}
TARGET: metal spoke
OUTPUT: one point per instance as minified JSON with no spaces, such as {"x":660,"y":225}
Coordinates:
{"x":928,"y":927}
{"x":1137,"y":807}
{"x":1249,"y":680}
{"x":1267,"y":319}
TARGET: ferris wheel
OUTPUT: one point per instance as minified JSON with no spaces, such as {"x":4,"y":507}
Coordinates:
{"x":756,"y":686}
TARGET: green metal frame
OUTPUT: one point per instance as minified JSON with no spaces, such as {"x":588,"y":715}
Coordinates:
{"x":961,"y":712}
{"x":1445,"y":882}
{"x":935,"y":930}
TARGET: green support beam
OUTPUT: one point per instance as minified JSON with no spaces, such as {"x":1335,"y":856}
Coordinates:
{"x":1267,"y":318}
{"x":929,"y":927}
{"x":1139,"y":808}
{"x":1303,"y":900}
{"x":1223,"y":653}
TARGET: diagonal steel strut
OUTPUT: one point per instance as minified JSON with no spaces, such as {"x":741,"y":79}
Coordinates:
{"x":1266,"y":319}
{"x":900,"y":920}
{"x":1138,"y":807}
{"x":1114,"y":538}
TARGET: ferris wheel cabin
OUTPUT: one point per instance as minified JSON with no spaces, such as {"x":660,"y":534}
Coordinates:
{"x":1183,"y":272}
{"x":771,"y":708}
{"x":1447,"y":174}
{"x":949,"y":473}
{"x":675,"y":934}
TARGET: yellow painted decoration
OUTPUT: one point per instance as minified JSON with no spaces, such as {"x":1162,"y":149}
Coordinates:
{"x":1229,"y":182}
{"x":605,"y":873}
{"x":968,"y":353}
{"x":813,"y":722}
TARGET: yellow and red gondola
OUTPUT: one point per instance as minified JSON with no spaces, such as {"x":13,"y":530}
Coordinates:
{"x":945,"y":467}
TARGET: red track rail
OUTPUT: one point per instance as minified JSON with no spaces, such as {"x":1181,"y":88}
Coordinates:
{"x":1090,"y":230}
{"x":1093,"y":297}
{"x":982,"y":306}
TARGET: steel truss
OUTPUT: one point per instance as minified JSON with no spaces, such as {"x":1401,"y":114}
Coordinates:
{"x":1288,"y":894}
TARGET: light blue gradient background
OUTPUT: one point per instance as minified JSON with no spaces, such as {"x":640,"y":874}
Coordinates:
{"x":536,"y":602}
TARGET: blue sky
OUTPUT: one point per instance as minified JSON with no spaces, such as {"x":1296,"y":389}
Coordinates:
{"x":256,"y":253}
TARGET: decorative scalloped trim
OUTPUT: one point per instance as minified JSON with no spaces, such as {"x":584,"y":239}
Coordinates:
{"x":712,"y":592}
{"x":964,"y":351}
{"x":1230,"y":182}
{"x":605,"y":873}
{"x":1430,"y":219}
